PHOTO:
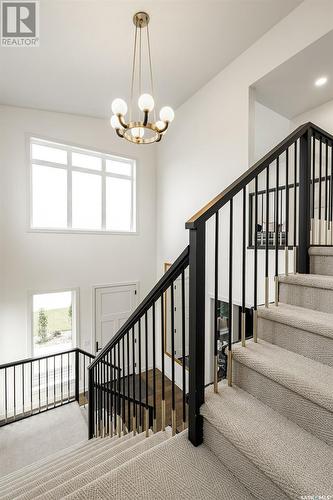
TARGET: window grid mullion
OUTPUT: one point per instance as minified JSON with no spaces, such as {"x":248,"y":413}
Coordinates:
{"x":69,"y":190}
{"x":103,"y":194}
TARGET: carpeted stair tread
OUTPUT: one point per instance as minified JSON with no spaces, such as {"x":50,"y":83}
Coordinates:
{"x":306,"y":377}
{"x":308,"y":280}
{"x":317,"y":322}
{"x":61,"y":464}
{"x":174,"y":469}
{"x":296,"y":461}
{"x":322,"y":251}
{"x":59,"y":476}
{"x":136,"y":446}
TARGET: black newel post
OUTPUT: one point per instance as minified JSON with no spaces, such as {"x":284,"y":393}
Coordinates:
{"x":77,"y":375}
{"x":197,"y":332}
{"x":91,"y":403}
{"x":304,"y":203}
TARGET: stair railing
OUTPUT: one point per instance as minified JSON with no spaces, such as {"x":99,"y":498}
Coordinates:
{"x":138,"y":381}
{"x":235,"y":262}
{"x":35,"y":385}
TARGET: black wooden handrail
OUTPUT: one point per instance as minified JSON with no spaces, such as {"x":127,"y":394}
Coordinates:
{"x":47,"y":356}
{"x":160,"y":287}
{"x":221,"y":199}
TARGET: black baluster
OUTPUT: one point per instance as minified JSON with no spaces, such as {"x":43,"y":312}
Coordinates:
{"x":267,"y":240}
{"x":84,"y":381}
{"x":255,"y":280}
{"x":243,"y":326}
{"x":23,"y":365}
{"x":313,"y":189}
{"x":183,"y":349}
{"x":128,"y":386}
{"x":105,"y":415}
{"x":230,"y":293}
{"x":162,"y":361}
{"x":54,"y":381}
{"x":39,"y":385}
{"x":68,"y":376}
{"x":47,"y":383}
{"x":31,"y":374}
{"x":286,"y":263}
{"x":140,"y":378}
{"x":216,"y":281}
{"x":61,"y":378}
{"x":123,"y":379}
{"x":277,"y":232}
{"x":154,"y":369}
{"x":119,"y":423}
{"x":326,"y":191}
{"x":295,"y":206}
{"x":320,"y":187}
{"x":146,"y":356}
{"x":173,"y":401}
{"x":331,"y":196}
{"x":6,"y":397}
{"x":133,"y":380}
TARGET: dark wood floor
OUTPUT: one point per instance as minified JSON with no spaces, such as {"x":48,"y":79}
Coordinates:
{"x":168,"y":398}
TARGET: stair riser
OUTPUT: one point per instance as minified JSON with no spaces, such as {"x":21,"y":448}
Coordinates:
{"x":317,"y":299}
{"x":303,"y":342}
{"x":321,"y":264}
{"x":257,"y":483}
{"x":312,"y":417}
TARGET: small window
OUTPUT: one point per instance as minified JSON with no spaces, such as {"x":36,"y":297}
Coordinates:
{"x":75,"y":189}
{"x":53,"y":322}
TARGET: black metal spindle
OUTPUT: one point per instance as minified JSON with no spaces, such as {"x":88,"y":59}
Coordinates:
{"x":277,"y":229}
{"x":162,"y":361}
{"x":84,"y":381}
{"x":295,"y":204}
{"x":287,"y":215}
{"x":61,"y":378}
{"x":267,"y":240}
{"x":68,"y":378}
{"x":173,"y":400}
{"x":331,"y":196}
{"x":133,"y":380}
{"x":183,"y":349}
{"x":6,"y":397}
{"x":140,"y":376}
{"x":230,"y":292}
{"x":255,"y":279}
{"x":23,"y":388}
{"x":128,"y":386}
{"x":119,"y":425}
{"x":105,"y":396}
{"x":123,"y":384}
{"x":47,"y":383}
{"x":154,"y":368}
{"x":243,"y":325}
{"x":320,"y":185}
{"x":216,"y":281}
{"x":54,"y":381}
{"x":39,"y":385}
{"x":114,"y":389}
{"x":326,"y":191}
{"x":313,"y":193}
{"x":147,"y":369}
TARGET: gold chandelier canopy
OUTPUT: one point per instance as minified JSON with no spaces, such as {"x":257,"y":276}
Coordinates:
{"x":145,"y":129}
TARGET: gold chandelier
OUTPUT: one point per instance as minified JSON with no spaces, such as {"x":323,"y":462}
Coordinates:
{"x":144,"y":130}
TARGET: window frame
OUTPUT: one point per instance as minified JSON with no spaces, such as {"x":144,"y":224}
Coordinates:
{"x":76,"y":334}
{"x":69,"y":168}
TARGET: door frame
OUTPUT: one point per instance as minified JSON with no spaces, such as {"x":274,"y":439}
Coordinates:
{"x":93,"y":316}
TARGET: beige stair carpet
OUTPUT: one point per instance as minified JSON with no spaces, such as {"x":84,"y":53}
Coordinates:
{"x":297,"y":462}
{"x":174,"y":469}
{"x":304,"y":331}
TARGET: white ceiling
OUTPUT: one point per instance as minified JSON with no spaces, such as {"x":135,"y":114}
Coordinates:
{"x":290,"y":90}
{"x":84,"y":58}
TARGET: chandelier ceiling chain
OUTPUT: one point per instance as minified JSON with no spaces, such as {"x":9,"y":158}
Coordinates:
{"x":142,"y":130}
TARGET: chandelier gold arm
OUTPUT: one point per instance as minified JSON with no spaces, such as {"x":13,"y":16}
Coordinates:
{"x":122,"y":121}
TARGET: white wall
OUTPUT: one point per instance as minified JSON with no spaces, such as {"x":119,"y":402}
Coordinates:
{"x":42,"y":261}
{"x":321,"y":116}
{"x":269,"y":129}
{"x":207,"y":146}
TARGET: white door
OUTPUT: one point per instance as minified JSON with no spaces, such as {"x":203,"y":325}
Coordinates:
{"x":113,"y":306}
